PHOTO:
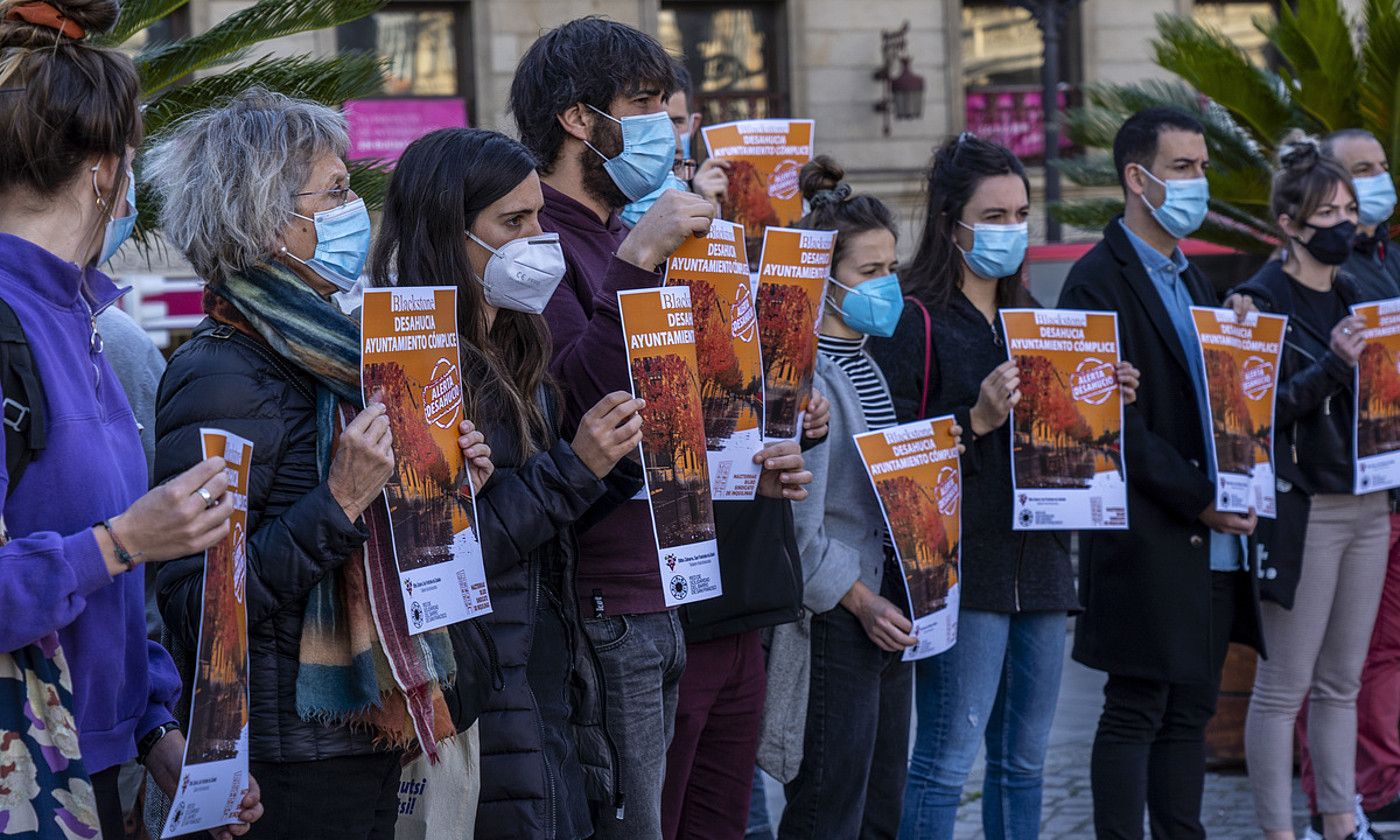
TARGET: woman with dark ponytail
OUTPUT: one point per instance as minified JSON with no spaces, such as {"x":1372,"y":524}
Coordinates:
{"x":1000,"y":682}
{"x":463,"y":209}
{"x":1318,"y":605}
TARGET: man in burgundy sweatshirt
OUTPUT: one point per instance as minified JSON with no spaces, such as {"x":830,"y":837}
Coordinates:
{"x":571,"y":91}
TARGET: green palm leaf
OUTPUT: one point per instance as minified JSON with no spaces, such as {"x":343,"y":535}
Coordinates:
{"x":1213,"y":65}
{"x":268,"y":19}
{"x":137,"y":15}
{"x":1315,"y":42}
{"x":1379,"y":100}
{"x":330,"y":81}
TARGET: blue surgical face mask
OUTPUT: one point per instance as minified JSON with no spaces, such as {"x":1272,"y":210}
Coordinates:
{"x":873,"y":307}
{"x":342,"y":244}
{"x":1375,"y":198}
{"x":119,"y":229}
{"x":648,"y":153}
{"x":685,"y":143}
{"x":632,"y":213}
{"x":1185,"y":206}
{"x":997,"y":250}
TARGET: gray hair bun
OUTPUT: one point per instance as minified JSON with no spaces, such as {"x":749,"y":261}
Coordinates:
{"x":1299,"y":150}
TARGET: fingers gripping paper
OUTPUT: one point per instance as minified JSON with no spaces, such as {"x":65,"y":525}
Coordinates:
{"x":917,"y":474}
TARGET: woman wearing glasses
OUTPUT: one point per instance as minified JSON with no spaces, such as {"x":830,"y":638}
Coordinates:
{"x":257,"y":197}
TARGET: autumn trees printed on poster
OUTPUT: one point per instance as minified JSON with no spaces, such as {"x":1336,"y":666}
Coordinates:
{"x":721,"y":375}
{"x":423,"y":492}
{"x":746,"y":202}
{"x":787,"y":318}
{"x":1055,"y":446}
{"x":673,"y":441}
{"x":926,"y":549}
{"x":1378,"y":426}
{"x":1236,"y":436}
{"x":218,"y":719}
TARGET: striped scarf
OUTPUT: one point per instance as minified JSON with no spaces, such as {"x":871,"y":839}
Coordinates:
{"x":359,"y":665}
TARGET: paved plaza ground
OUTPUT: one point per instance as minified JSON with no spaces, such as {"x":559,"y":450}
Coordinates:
{"x":1068,"y":809}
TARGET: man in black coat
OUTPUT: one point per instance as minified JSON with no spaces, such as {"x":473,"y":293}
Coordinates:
{"x":1163,"y":599}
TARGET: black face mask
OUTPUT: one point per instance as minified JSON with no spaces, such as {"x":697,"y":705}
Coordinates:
{"x":1330,"y":245}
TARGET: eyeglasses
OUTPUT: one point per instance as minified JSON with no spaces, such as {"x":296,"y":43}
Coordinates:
{"x":685,"y":169}
{"x":340,"y":195}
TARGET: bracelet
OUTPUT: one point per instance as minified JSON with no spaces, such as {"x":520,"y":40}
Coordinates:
{"x":123,"y":556}
{"x":148,"y":743}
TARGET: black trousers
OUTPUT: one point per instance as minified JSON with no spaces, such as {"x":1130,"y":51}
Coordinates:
{"x":1150,"y":746}
{"x":351,"y":798}
{"x":109,"y":803}
{"x":851,"y":781}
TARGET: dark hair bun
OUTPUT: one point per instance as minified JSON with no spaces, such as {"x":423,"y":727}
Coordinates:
{"x":821,"y":181}
{"x":94,"y":16}
{"x":1299,"y":150}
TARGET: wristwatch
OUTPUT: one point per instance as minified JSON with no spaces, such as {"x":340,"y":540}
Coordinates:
{"x":148,"y":743}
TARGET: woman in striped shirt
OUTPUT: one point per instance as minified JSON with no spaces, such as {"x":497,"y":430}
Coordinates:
{"x":851,"y":778}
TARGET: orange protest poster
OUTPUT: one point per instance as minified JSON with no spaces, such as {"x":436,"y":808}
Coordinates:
{"x":792,"y":273}
{"x":1241,"y":361}
{"x":659,"y":329}
{"x":1376,"y":442}
{"x":917,"y":474}
{"x":764,"y":157}
{"x":726,"y":345}
{"x":410,"y":363}
{"x":214,"y":772}
{"x":1067,"y":468}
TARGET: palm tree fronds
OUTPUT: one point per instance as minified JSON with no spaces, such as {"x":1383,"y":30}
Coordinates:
{"x":136,"y":15}
{"x":268,"y":19}
{"x":330,"y":81}
{"x":1380,"y":83}
{"x":1315,"y":42}
{"x":1213,"y":65}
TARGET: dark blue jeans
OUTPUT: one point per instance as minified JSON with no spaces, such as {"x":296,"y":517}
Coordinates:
{"x":851,"y":781}
{"x":998,"y":684}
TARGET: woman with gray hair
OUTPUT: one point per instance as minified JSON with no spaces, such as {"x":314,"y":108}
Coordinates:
{"x":258,"y":198}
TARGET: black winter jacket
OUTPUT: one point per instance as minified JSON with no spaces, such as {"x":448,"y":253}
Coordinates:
{"x":1313,"y":423}
{"x":1313,"y":409}
{"x":297,"y":532}
{"x":1147,"y":590}
{"x":1003,"y":570}
{"x":527,"y":512}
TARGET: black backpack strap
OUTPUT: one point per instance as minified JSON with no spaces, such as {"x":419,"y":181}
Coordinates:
{"x":25,"y":407}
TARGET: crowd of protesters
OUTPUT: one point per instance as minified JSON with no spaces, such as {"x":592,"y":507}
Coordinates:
{"x":590,"y":708}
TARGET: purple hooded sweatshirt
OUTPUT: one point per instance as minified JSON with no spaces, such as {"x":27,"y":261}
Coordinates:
{"x":52,"y":576}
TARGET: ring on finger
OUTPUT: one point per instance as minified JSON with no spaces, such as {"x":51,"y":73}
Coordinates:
{"x":1346,"y":330}
{"x":209,"y":500}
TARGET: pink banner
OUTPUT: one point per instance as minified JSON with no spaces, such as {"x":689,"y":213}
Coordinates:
{"x":1013,"y":117}
{"x":383,"y":128}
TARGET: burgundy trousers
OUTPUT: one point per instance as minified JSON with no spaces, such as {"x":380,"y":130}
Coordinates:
{"x":1377,"y":704}
{"x":709,"y":767}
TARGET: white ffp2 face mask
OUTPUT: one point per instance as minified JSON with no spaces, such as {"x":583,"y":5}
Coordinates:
{"x":523,"y":273}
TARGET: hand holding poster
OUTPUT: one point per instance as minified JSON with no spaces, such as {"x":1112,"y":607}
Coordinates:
{"x":792,"y":274}
{"x":1376,"y":441}
{"x":214,"y":773}
{"x":1241,"y":361}
{"x":658,"y":327}
{"x":1067,"y":468}
{"x":726,"y":340}
{"x":764,"y":157}
{"x":917,"y":475}
{"x":409,"y":342}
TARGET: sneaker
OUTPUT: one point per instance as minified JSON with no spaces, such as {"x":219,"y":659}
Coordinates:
{"x":1363,"y":824}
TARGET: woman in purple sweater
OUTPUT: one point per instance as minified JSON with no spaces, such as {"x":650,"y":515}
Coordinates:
{"x":81,"y":689}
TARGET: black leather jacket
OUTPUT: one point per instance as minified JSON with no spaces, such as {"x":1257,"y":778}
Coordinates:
{"x":297,"y":532}
{"x":1314,"y":406}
